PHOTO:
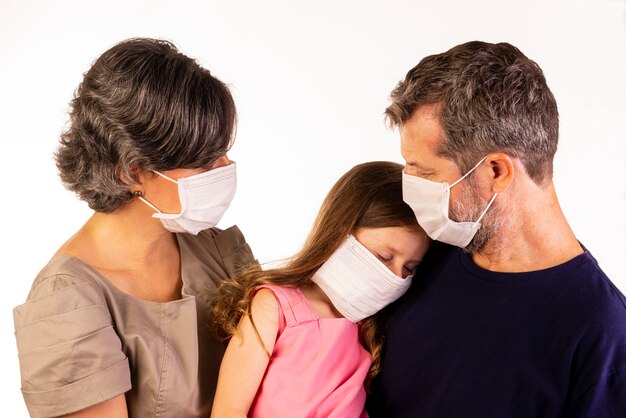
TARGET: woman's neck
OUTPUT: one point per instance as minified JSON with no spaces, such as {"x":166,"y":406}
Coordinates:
{"x":132,"y":250}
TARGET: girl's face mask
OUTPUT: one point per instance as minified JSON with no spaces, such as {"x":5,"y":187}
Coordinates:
{"x":357,"y":283}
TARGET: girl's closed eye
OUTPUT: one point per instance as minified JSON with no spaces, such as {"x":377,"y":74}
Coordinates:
{"x":410,"y":268}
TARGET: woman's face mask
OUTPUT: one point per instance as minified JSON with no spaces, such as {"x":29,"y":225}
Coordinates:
{"x":203,"y":197}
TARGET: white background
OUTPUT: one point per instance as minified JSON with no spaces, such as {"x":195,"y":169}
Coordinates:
{"x":311,"y":81}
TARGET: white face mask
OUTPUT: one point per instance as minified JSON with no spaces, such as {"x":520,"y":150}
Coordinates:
{"x":357,"y":283}
{"x":430,"y":202}
{"x":203,"y":198}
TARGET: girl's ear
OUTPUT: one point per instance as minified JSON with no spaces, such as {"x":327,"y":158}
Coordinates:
{"x":501,"y":171}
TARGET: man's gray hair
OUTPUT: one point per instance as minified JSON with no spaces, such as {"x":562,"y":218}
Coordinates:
{"x":490,"y":98}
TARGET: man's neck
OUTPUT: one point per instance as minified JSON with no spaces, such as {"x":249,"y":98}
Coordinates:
{"x":536,"y":236}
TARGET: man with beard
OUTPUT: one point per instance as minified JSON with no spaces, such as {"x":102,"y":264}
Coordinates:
{"x":513,"y":318}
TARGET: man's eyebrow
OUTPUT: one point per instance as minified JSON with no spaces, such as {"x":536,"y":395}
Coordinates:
{"x":419,"y":167}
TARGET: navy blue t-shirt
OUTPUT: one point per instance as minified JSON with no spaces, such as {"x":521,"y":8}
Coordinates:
{"x":467,"y":342}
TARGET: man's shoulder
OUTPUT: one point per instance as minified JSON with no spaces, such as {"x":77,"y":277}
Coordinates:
{"x":588,"y":305}
{"x":599,"y":316}
{"x":587,"y":283}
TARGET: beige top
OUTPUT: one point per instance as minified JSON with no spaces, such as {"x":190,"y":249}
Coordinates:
{"x":82,"y":341}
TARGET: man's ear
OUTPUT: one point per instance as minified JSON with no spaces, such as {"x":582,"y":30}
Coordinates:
{"x":501,"y":171}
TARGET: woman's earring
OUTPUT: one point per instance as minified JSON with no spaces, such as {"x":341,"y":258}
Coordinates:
{"x":137,"y":193}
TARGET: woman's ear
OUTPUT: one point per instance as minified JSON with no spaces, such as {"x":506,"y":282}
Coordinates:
{"x":501,"y":171}
{"x":133,"y":178}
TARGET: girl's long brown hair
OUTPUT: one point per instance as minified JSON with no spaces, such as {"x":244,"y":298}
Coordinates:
{"x":367,"y":196}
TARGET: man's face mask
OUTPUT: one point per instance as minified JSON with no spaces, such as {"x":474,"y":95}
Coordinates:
{"x":430,"y":202}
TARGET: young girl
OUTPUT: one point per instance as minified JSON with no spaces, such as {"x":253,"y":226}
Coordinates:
{"x":303,"y":338}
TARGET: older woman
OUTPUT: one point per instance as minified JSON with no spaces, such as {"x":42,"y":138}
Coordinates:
{"x":116,"y":323}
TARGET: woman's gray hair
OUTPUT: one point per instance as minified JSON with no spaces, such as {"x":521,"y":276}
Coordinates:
{"x":142,"y":106}
{"x":490,"y":98}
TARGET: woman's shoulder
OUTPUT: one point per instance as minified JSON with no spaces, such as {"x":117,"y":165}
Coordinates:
{"x":66,"y":316}
{"x":229,"y":238}
{"x":62,"y":273}
{"x":64,"y":285}
{"x":226,"y":249}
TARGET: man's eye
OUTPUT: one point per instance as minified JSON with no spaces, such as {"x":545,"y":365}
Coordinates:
{"x":426,"y":174}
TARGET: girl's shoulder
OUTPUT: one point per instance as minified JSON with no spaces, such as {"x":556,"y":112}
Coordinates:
{"x":285,"y":296}
{"x":292,"y":303}
{"x":290,"y":292}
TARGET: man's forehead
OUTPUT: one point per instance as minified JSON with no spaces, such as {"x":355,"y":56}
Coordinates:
{"x":420,"y":144}
{"x":421,"y":135}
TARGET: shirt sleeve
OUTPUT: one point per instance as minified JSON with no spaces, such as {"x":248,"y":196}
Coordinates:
{"x":598,"y":378}
{"x":606,"y":398}
{"x":70,"y":355}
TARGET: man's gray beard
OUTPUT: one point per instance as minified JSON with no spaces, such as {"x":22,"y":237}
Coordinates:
{"x":468,"y":207}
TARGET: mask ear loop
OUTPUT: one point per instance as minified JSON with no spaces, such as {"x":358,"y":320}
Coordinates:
{"x":168,"y":178}
{"x":487,"y":208}
{"x":138,"y":196}
{"x":467,"y":174}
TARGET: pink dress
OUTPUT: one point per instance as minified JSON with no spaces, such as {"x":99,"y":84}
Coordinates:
{"x":317,"y":367}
